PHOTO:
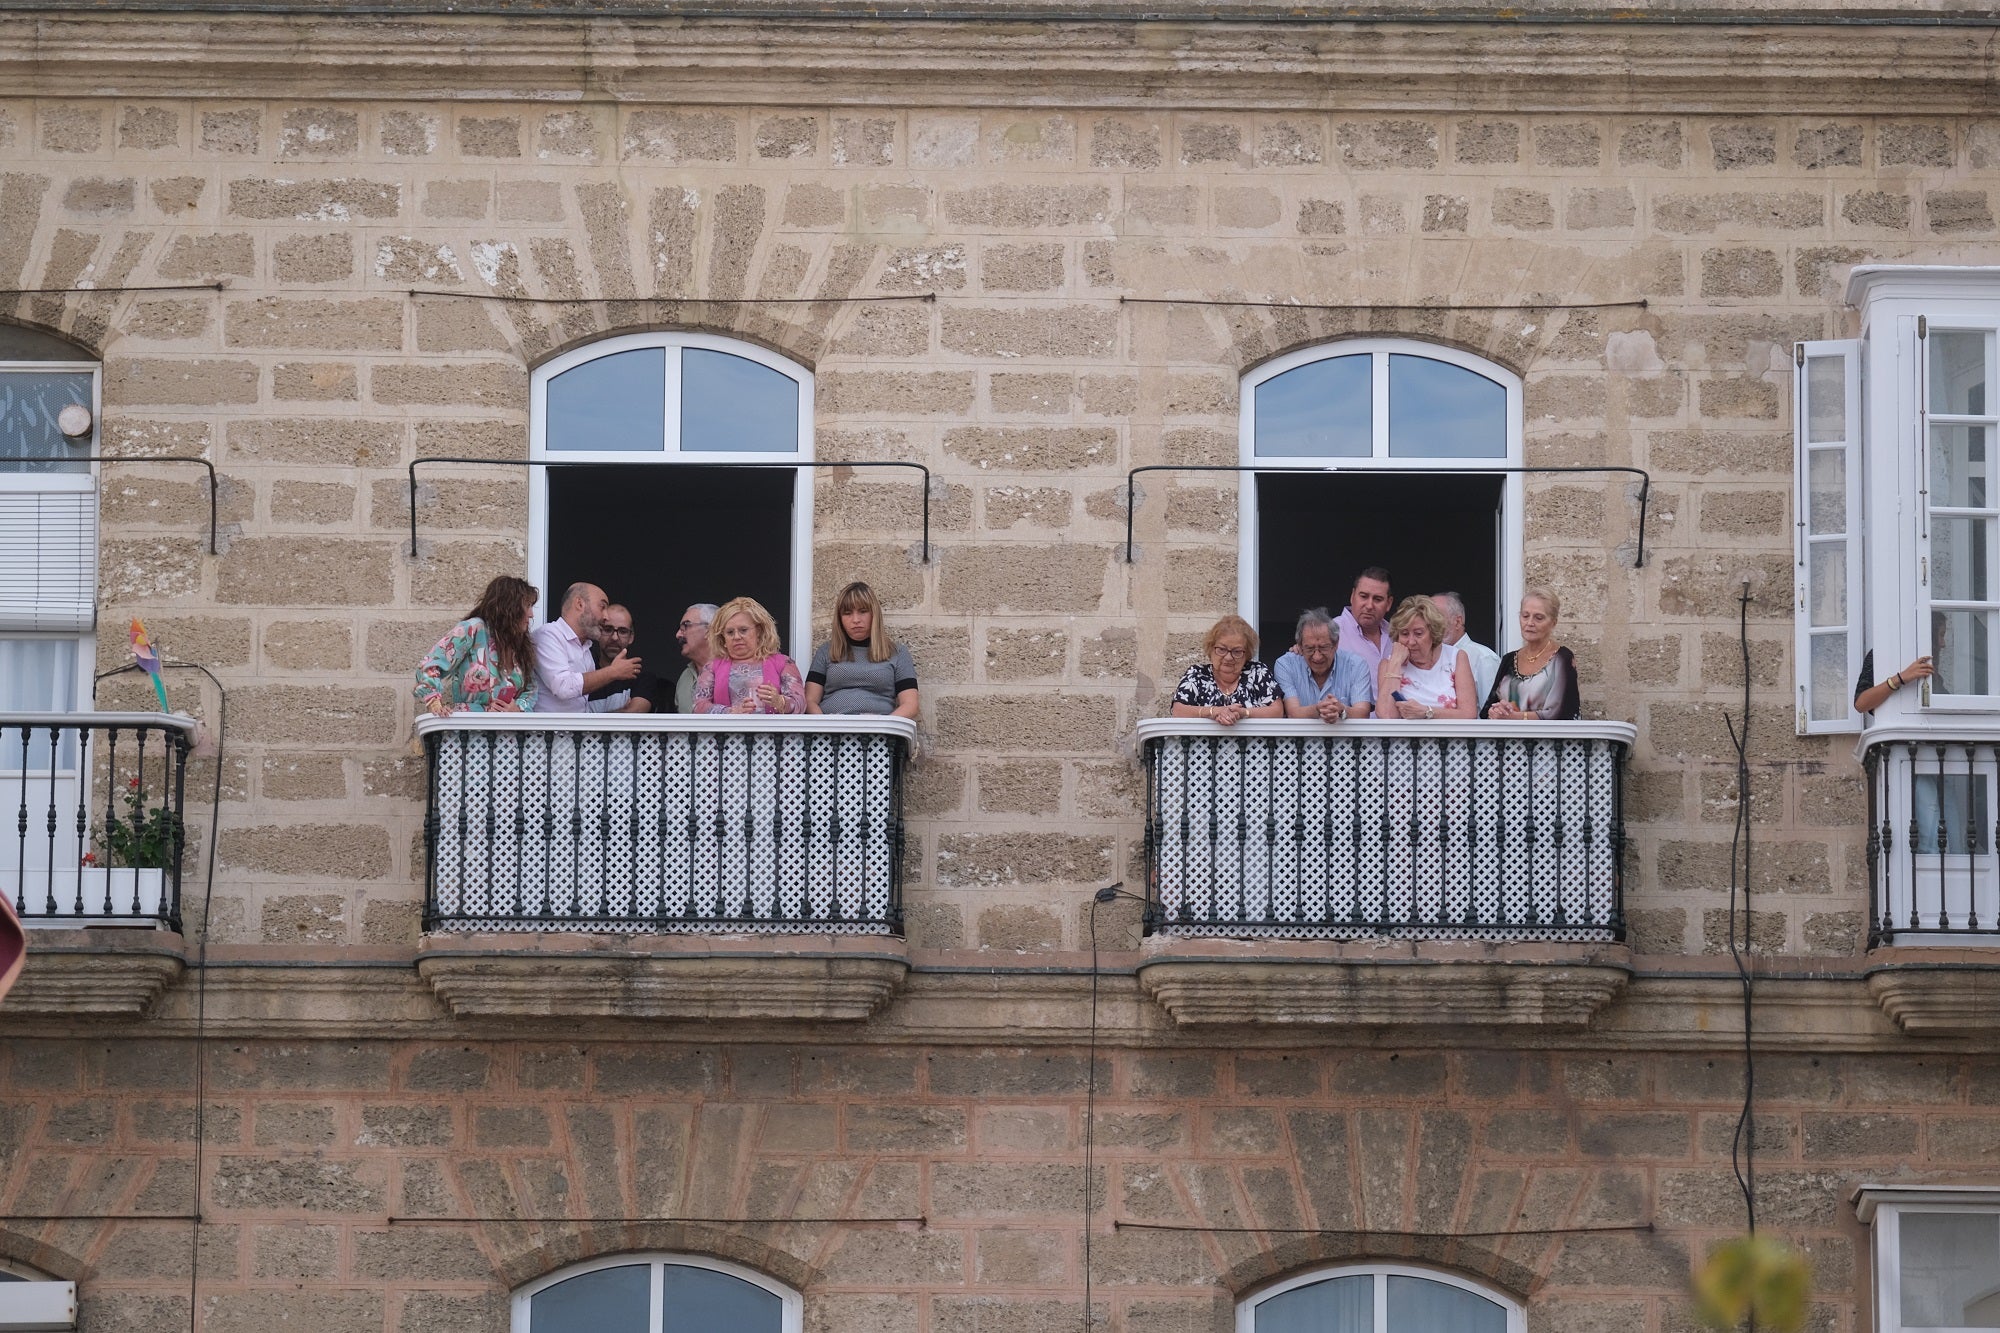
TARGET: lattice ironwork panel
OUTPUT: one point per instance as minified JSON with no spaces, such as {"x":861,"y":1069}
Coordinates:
{"x":634,"y":830}
{"x":1352,"y":836}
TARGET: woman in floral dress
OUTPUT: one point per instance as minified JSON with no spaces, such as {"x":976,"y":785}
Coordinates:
{"x":484,"y":664}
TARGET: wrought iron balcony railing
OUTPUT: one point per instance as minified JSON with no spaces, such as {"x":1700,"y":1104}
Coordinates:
{"x":664,"y":823}
{"x":93,"y":805}
{"x":1933,"y":835}
{"x":1424,"y":830}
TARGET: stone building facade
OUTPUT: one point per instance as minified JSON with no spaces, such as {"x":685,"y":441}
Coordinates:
{"x":1032,"y":255}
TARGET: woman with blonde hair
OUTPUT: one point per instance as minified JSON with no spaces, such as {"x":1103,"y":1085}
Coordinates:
{"x":1423,"y":677}
{"x":1537,"y":681}
{"x":1232,"y":684}
{"x":747,"y":673}
{"x":859,"y":669}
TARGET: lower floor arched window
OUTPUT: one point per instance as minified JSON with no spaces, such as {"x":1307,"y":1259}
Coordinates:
{"x":1379,"y":1298}
{"x":648,"y":1294}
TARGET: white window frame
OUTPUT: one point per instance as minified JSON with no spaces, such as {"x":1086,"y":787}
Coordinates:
{"x":1881,"y":1208}
{"x":1246,"y":1309}
{"x":792,"y":1305}
{"x":800,"y":630}
{"x":37,"y":1305}
{"x":1509,"y":556}
{"x":84,"y":482}
{"x":1850,"y":448}
{"x":1950,"y":322}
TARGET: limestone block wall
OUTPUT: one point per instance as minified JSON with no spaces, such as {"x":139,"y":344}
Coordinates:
{"x":956,"y":1177}
{"x":1026,"y":386}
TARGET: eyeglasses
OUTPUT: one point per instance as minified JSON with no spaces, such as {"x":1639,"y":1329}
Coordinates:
{"x":1233,"y":654}
{"x":693,"y":624}
{"x":624,"y":631}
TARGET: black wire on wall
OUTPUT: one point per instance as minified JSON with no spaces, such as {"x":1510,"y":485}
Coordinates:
{"x":1743,"y":1144}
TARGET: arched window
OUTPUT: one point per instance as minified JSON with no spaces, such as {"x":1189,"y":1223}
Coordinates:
{"x":659,"y":538}
{"x":1378,"y":1298}
{"x":632,"y":1293}
{"x":35,"y":1303}
{"x":1422,"y":419}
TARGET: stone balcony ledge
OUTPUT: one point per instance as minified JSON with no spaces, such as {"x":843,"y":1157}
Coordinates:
{"x":1931,"y":989}
{"x":689,"y":978}
{"x":101,"y":972}
{"x":1389,"y":983}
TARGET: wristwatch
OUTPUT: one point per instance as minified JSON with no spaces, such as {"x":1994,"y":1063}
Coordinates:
{"x":1429,"y":713}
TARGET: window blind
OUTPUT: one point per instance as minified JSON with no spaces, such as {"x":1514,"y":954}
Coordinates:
{"x":48,"y":559}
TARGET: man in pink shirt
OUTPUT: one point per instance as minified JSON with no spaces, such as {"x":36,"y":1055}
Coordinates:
{"x":565,"y":670}
{"x":1361,"y":629}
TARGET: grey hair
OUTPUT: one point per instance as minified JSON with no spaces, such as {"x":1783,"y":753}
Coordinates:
{"x":1451,"y":604}
{"x":1316,"y":616}
{"x":572,"y":592}
{"x":707,"y":609}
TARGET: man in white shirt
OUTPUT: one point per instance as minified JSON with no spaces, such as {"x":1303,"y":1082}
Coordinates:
{"x":565,"y":670}
{"x":1485,"y":662}
{"x":1361,"y":629}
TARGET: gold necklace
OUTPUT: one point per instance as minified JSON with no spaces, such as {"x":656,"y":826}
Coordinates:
{"x":1521,"y":666}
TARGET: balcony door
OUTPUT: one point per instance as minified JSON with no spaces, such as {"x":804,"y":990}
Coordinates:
{"x":1393,"y":438}
{"x":666,"y":481}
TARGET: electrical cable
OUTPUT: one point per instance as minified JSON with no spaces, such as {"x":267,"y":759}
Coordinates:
{"x":1743,"y":1144}
{"x":1097,"y":900}
{"x":201,"y":967}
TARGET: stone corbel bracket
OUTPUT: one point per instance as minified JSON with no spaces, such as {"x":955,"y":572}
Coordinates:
{"x":1937,"y":990}
{"x":1386,"y":984}
{"x":838,"y":979}
{"x":110,"y":973}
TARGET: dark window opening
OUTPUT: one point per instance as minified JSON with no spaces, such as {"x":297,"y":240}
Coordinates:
{"x":1432,"y":533}
{"x":659,"y":538}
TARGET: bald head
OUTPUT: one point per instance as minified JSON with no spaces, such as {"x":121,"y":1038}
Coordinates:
{"x":582,"y":606}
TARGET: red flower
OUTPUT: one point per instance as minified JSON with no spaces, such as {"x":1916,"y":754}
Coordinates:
{"x":90,"y":858}
{"x":133,"y":784}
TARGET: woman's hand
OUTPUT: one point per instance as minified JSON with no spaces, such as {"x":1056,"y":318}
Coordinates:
{"x":437,"y":707}
{"x":1412,"y":712}
{"x":1504,"y":710}
{"x":744,"y":706}
{"x":773,"y":699}
{"x":1228,"y":715}
{"x":1396,"y":658}
{"x":1921,"y":669}
{"x":509,"y":707}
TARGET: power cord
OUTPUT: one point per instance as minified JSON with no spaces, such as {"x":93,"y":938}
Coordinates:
{"x":1743,"y":1144}
{"x":201,"y":967}
{"x":1109,"y":893}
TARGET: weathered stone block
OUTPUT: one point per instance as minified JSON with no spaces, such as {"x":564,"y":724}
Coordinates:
{"x":1026,"y":208}
{"x":1033,"y":448}
{"x":319,"y":131}
{"x":307,"y":571}
{"x":468,"y":384}
{"x":1566,"y":145}
{"x":1025,"y":858}
{"x":1211,"y":141}
{"x":1048,"y":332}
{"x":908,"y":393}
{"x":1287,"y":142}
{"x":1740,"y":145}
{"x":680,"y":136}
{"x":337,"y":200}
{"x":1522,"y":210}
{"x":101,"y":196}
{"x":1740,"y":271}
{"x":176,"y":381}
{"x":372,"y":325}
{"x":1950,"y":212}
{"x":998,"y":578}
{"x":299,"y":776}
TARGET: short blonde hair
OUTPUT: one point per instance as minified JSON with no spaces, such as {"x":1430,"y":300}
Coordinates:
{"x":1414,"y":609}
{"x":1547,"y":598}
{"x":858,"y":596}
{"x":767,"y":628}
{"x":1236,"y":625}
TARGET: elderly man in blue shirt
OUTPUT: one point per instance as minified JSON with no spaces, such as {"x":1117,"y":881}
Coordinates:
{"x":1318,"y":679}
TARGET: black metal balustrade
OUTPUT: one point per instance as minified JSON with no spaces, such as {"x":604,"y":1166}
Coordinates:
{"x":1428,"y":830}
{"x":1933,"y":837}
{"x":543,"y":822}
{"x":96,"y":803}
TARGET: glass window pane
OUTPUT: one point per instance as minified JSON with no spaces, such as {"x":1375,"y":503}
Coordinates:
{"x":610,"y":1300}
{"x":1959,"y":552}
{"x":30,"y":401}
{"x":1418,"y":1305}
{"x":616,"y":402}
{"x":37,"y":676}
{"x":1948,"y":809}
{"x":1950,"y":1264}
{"x":1961,"y":650}
{"x":1960,"y":467}
{"x":1827,"y":582}
{"x":1338,"y":1305}
{"x":1826,"y":399}
{"x":1438,"y":410}
{"x":699,"y":1300}
{"x":1958,"y":372}
{"x":731,"y":404}
{"x":1826,"y":491}
{"x":1832,"y":691}
{"x":1322,"y":409}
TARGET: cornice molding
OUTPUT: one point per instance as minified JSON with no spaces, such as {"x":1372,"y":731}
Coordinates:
{"x":1143,"y":63}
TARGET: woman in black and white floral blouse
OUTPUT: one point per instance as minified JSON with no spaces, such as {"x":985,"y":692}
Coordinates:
{"x":1232,"y":684}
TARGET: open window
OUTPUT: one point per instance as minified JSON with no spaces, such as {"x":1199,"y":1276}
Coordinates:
{"x":656,"y":1294}
{"x":669,"y":479}
{"x":1378,"y":1298}
{"x":1398,"y":432}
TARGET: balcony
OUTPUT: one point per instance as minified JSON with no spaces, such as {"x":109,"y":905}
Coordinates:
{"x":1385,"y":872}
{"x":1934,"y":875}
{"x":94,"y":837}
{"x":666,"y":836}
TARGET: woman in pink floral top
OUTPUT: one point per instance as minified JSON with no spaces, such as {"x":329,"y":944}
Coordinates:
{"x":484,"y":664}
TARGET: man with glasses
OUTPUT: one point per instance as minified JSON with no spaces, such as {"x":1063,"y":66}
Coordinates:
{"x":1319,"y":678}
{"x":613,"y":640}
{"x":693,"y":637}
